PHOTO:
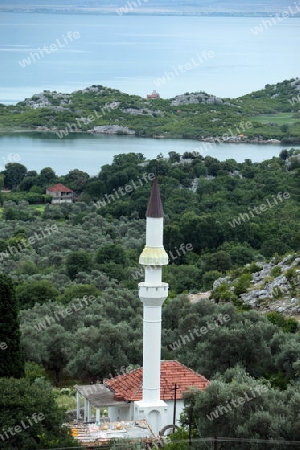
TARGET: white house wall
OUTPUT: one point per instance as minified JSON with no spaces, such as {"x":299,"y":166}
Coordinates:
{"x":118,"y":413}
{"x":58,"y":201}
{"x":179,"y":410}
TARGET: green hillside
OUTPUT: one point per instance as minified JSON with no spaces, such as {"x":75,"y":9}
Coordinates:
{"x":72,"y":269}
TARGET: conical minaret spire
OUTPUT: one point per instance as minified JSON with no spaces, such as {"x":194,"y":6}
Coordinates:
{"x":155,"y":207}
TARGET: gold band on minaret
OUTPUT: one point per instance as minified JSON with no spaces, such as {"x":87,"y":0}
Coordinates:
{"x":152,"y":256}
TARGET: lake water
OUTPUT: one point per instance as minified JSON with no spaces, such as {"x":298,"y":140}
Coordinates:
{"x":131,"y":53}
{"x":137,"y":54}
{"x":89,"y":152}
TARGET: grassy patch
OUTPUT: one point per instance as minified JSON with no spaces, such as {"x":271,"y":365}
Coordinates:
{"x":39,"y":208}
{"x":279,"y":119}
{"x":65,"y":401}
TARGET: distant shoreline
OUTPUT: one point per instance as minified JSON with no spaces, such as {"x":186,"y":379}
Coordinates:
{"x":208,"y":141}
{"x":139,"y":13}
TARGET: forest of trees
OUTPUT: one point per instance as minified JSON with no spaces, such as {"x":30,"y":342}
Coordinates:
{"x":75,"y":310}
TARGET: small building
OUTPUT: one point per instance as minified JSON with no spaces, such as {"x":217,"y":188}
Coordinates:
{"x":129,"y":388}
{"x":100,"y":429}
{"x":122,"y":393}
{"x":200,"y":296}
{"x":153,"y":95}
{"x":60,"y":194}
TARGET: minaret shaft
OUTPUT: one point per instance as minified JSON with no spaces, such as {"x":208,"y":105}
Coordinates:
{"x":152,"y":276}
{"x":151,"y":354}
{"x":152,"y":293}
{"x":154,"y":232}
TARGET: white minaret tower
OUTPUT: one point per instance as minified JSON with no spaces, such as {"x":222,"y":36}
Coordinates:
{"x":153,"y":293}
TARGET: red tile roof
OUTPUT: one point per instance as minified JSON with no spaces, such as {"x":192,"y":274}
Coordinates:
{"x":130,"y":385}
{"x":153,"y":95}
{"x":59,"y":188}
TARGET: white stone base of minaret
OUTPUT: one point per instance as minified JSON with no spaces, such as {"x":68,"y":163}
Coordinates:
{"x":155,"y":414}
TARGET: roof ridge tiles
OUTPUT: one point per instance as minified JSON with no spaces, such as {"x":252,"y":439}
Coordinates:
{"x":129,"y":385}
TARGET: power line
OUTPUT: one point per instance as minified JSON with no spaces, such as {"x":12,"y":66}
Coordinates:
{"x":208,"y":439}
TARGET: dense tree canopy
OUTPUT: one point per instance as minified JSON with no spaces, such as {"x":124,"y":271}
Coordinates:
{"x":11,"y":358}
{"x":77,"y":288}
{"x":14,"y":174}
{"x":30,"y":418}
{"x":236,"y":405}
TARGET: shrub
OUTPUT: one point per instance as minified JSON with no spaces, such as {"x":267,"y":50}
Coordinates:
{"x":242,"y":284}
{"x":254,"y":267}
{"x":290,"y":274}
{"x":65,"y":391}
{"x":276,"y":271}
{"x":34,"y":371}
{"x":277,"y":293}
{"x":223,"y":294}
{"x":288,"y":325}
{"x":209,"y":277}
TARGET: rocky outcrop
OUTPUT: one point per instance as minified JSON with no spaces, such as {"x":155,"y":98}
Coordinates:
{"x":113,"y":129}
{"x":271,"y":293}
{"x":219,"y":281}
{"x":48,"y":99}
{"x":278,"y":286}
{"x":198,"y":97}
{"x":143,"y":111}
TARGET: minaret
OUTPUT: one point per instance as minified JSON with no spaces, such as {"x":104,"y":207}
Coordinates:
{"x":153,"y":293}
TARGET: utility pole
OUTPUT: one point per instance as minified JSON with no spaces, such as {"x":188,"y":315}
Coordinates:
{"x":174,"y":410}
{"x":215,"y":443}
{"x":191,"y":410}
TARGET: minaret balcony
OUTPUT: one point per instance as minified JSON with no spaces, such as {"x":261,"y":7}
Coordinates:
{"x":158,"y":292}
{"x":154,"y":256}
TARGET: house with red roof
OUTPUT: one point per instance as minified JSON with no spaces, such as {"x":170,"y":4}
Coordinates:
{"x":122,"y":393}
{"x":153,"y":95}
{"x":60,"y":194}
{"x":129,"y":388}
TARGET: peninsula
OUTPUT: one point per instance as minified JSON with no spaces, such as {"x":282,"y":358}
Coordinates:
{"x":269,"y":115}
